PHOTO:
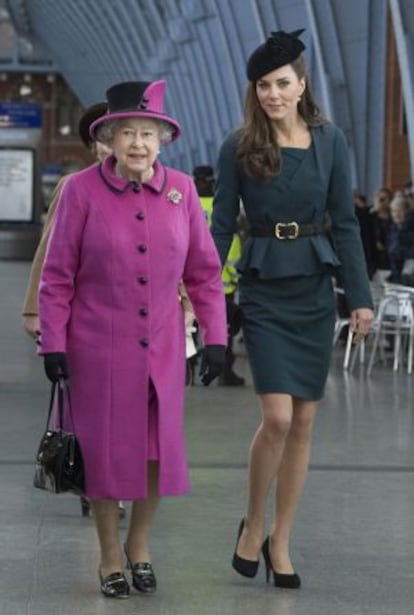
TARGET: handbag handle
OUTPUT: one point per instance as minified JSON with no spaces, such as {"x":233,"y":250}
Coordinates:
{"x":61,"y":387}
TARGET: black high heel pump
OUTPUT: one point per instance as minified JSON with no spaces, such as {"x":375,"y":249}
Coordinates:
{"x":287,"y":581}
{"x":245,"y":567}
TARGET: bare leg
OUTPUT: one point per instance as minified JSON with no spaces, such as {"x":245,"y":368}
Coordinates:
{"x":290,"y":482}
{"x":265,"y":454}
{"x":141,"y":518}
{"x":106,"y":517}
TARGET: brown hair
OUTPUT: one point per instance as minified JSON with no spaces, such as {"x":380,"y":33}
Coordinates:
{"x":258,"y":149}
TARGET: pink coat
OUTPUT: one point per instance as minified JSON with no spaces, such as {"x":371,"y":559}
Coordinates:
{"x":109,"y":299}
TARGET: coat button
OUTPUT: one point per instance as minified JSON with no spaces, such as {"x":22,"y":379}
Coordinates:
{"x":140,"y":215}
{"x":143,"y":312}
{"x":144,"y":343}
{"x":143,"y":280}
{"x":142,"y":248}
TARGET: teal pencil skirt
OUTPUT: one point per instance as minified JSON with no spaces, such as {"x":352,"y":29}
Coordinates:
{"x":288,"y":326}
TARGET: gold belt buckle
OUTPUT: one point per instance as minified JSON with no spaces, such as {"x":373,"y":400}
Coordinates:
{"x":293,"y":235}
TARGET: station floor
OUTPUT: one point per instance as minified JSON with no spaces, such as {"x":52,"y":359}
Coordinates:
{"x":353,"y":542}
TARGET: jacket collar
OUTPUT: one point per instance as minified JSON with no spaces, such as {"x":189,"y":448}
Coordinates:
{"x":119,"y":184}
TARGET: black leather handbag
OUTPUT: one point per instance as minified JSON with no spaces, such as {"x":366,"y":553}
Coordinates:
{"x":59,"y":462}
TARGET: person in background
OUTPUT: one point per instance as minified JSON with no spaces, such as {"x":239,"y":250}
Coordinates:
{"x":127,"y":231}
{"x":408,"y":190}
{"x":396,"y":250}
{"x":30,"y":312}
{"x":191,"y":351}
{"x":204,"y":180}
{"x":290,"y":168}
{"x":381,"y":222}
{"x":365,"y":225}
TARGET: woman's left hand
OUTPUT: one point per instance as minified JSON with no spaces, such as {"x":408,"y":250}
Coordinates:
{"x":361,"y":321}
{"x":212,"y":362}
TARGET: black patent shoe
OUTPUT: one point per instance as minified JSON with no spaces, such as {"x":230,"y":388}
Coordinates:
{"x":287,"y":581}
{"x":245,"y":567}
{"x":114,"y":585}
{"x":143,"y":577}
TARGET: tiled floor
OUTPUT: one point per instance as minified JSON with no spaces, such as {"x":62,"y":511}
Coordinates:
{"x":354,"y":536}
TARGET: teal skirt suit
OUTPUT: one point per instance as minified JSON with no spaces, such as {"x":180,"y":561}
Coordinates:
{"x":286,"y":293}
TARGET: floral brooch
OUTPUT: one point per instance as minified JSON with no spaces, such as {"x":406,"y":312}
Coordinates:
{"x":174,"y":196}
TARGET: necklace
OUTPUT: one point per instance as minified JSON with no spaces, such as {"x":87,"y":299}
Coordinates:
{"x":145,"y":177}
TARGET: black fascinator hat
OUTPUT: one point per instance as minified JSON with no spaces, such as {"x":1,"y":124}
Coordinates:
{"x":280,"y":48}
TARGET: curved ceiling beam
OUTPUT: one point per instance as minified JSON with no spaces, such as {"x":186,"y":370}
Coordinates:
{"x":375,"y":84}
{"x":350,"y":44}
{"x":135,"y":46}
{"x":82,"y":46}
{"x":178,"y":93}
{"x":99,"y":30}
{"x":403,"y":22}
{"x":331,"y":67}
{"x":201,"y":47}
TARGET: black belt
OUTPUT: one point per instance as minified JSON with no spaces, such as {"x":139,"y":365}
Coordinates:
{"x":288,"y":230}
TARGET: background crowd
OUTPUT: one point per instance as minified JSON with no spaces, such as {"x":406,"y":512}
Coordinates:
{"x":387,"y":232}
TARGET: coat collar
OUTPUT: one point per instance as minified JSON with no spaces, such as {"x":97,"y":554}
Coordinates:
{"x":119,"y":184}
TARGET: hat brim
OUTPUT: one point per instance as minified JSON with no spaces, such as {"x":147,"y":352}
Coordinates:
{"x":131,"y":114}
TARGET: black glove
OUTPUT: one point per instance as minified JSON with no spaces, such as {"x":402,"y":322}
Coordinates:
{"x":212,"y":363}
{"x":56,"y":366}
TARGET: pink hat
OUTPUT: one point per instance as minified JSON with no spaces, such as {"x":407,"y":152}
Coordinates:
{"x":136,"y":99}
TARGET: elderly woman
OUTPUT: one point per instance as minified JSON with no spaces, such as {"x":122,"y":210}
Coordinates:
{"x":127,"y":231}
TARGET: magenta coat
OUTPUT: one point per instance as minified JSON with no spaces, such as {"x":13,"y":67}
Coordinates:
{"x":109,"y":299}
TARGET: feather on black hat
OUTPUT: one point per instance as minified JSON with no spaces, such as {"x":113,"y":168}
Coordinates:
{"x":279,"y":49}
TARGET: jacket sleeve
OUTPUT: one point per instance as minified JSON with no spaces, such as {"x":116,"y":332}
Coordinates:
{"x":345,"y":229}
{"x":226,"y":206}
{"x":30,"y":305}
{"x":57,"y":283}
{"x":202,"y":276}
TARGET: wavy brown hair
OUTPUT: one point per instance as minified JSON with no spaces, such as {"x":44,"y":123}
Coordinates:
{"x":258,"y":149}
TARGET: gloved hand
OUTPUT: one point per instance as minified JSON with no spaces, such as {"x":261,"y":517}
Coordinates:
{"x":55,"y":366}
{"x":212,"y":363}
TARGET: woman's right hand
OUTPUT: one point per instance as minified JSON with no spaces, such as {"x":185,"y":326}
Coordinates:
{"x":56,"y":366}
{"x":31,"y":325}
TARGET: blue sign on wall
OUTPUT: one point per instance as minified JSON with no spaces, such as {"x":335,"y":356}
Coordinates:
{"x":20,"y":115}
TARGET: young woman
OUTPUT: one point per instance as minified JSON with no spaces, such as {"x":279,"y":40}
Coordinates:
{"x":290,"y":168}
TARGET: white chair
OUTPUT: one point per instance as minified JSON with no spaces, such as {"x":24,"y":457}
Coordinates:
{"x":351,"y":351}
{"x":394,"y":318}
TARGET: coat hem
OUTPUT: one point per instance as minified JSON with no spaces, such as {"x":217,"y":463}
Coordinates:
{"x":127,"y":497}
